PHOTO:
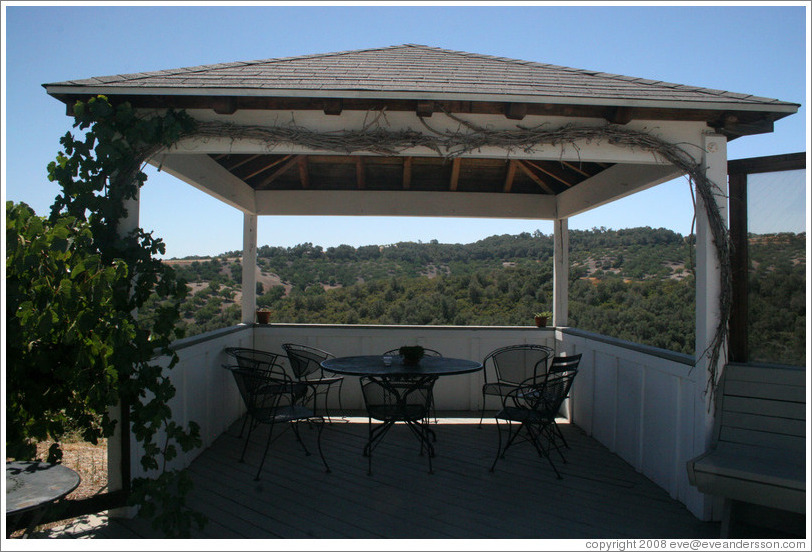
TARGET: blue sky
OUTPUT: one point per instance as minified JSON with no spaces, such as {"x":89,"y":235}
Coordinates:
{"x":759,"y":50}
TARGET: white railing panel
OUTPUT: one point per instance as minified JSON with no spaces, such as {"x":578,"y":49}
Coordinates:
{"x":639,"y":402}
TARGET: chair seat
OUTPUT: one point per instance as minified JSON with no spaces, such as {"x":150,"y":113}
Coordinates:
{"x":324,"y":381}
{"x":500,"y":389}
{"x":523,"y":415}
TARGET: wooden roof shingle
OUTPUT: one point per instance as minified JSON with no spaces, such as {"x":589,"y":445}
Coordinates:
{"x":413,"y":70}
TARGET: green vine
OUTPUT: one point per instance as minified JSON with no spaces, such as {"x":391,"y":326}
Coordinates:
{"x":75,"y":287}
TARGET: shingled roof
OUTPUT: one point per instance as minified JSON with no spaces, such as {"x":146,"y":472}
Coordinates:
{"x":410,"y":71}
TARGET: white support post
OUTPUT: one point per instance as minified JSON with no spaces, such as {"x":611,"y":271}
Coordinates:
{"x":249,"y":268}
{"x":561,"y":272}
{"x":708,"y":288}
{"x":115,"y":476}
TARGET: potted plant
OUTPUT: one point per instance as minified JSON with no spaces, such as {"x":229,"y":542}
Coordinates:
{"x":411,"y":354}
{"x":263,"y":316}
{"x":542,"y":317}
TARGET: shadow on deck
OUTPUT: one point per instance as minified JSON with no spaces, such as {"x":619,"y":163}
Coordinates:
{"x":600,"y":495}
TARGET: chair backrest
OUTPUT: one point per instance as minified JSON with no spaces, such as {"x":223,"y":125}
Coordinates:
{"x":305,"y":360}
{"x":426,"y":352}
{"x":251,"y":358}
{"x":264,"y":391}
{"x":565,"y":363}
{"x":512,"y":363}
{"x":400,"y":399}
{"x":544,"y":394}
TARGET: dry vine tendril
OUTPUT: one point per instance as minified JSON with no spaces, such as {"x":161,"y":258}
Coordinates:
{"x":373,"y":138}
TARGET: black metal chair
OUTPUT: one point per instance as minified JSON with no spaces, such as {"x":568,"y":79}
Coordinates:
{"x":272,"y":397}
{"x":563,"y":363}
{"x":426,"y":352}
{"x":404,"y":399}
{"x":305,"y":362}
{"x":251,"y":359}
{"x":510,"y":366}
{"x":534,"y":404}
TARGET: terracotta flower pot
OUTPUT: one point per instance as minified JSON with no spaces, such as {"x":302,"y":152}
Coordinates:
{"x":263,"y":317}
{"x":541,"y":321}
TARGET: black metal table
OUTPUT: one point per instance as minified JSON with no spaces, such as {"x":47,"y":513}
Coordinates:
{"x":31,"y":487}
{"x":400,"y":380}
{"x":373,"y":365}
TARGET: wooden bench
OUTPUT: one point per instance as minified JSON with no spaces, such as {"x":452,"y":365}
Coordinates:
{"x":758,"y":451}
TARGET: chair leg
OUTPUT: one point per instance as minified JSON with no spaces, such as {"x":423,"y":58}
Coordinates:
{"x":264,"y":454}
{"x":247,"y":438}
{"x":299,"y":437}
{"x":318,"y":443}
{"x":482,"y":414}
{"x":536,"y":440}
{"x":498,"y":448}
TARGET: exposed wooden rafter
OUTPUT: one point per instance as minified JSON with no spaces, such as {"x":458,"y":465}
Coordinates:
{"x":455,"y":174}
{"x":511,"y":174}
{"x":550,"y":174}
{"x":619,"y":115}
{"x":333,"y":106}
{"x":304,"y":174}
{"x":576,"y":169}
{"x":223,"y":105}
{"x":247,"y":159}
{"x":425,"y":108}
{"x":534,"y":177}
{"x":280,"y":171}
{"x":267,"y":167}
{"x":360,"y":176}
{"x":517,"y":111}
{"x":407,"y":173}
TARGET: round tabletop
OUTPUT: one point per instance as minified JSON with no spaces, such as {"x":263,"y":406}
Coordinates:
{"x":373,"y":365}
{"x":33,"y":484}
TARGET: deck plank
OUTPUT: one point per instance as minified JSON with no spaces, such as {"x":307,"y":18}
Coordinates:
{"x":600,"y":495}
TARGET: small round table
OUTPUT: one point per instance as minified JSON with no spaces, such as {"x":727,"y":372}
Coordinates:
{"x":373,"y":365}
{"x":32,"y":487}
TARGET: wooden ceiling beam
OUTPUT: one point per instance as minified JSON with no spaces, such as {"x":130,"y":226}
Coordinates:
{"x":333,"y":106}
{"x":267,"y":167}
{"x":455,"y":174}
{"x":550,"y":174}
{"x":304,"y":175}
{"x":620,"y":115}
{"x":576,"y":169}
{"x":425,"y":108}
{"x":407,"y":173}
{"x":360,"y":177}
{"x":516,"y":111}
{"x":244,"y":161}
{"x":534,"y":177}
{"x":224,"y":105}
{"x":291,"y":161}
{"x":511,"y":174}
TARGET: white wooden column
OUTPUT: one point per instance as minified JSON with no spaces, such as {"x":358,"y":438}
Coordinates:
{"x":249,"y":268}
{"x":561,"y":272}
{"x":115,"y":476}
{"x":708,"y":287}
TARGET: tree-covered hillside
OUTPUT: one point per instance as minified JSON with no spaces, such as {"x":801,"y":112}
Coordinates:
{"x":634,"y":284}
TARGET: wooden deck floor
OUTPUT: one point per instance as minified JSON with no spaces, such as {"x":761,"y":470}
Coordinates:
{"x":600,"y":495}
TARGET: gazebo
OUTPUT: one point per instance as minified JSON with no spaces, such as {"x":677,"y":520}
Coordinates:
{"x":414,"y":130}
